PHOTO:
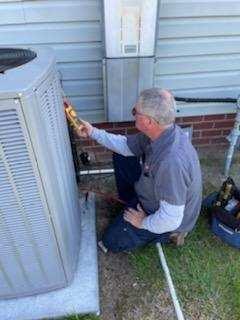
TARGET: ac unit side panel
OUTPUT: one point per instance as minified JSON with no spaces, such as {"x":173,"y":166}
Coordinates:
{"x":49,"y":96}
{"x":69,"y":178}
{"x":47,"y":126}
{"x":47,"y":171}
{"x":66,"y":150}
{"x":52,"y":111}
{"x":29,"y":257}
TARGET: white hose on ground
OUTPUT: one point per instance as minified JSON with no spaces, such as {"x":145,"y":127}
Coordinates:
{"x":97,"y":171}
{"x":160,"y":252}
{"x":170,"y":283}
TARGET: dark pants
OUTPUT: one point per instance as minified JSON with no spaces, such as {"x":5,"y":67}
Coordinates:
{"x":121,"y":235}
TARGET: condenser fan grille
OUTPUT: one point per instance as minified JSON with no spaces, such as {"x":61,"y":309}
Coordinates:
{"x":12,"y":58}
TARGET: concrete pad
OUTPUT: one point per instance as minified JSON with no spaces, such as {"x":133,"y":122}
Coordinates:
{"x":81,"y":297}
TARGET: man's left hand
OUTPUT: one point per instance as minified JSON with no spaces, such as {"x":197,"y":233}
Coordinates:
{"x":135,"y":217}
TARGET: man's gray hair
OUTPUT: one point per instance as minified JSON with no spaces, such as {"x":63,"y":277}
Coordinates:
{"x":159,"y":104}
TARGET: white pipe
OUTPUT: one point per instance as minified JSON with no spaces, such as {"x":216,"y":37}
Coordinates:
{"x":97,"y":171}
{"x":170,"y":283}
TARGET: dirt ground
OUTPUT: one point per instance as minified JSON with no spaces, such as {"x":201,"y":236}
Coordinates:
{"x":122,"y":295}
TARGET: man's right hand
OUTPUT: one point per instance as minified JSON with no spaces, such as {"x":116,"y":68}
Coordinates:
{"x":84,"y":130}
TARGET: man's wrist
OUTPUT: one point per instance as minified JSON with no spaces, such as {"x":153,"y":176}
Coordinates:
{"x":144,"y":223}
{"x":90,"y":132}
{"x":93,"y":134}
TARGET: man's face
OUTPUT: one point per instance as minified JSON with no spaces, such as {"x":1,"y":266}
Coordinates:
{"x":142,"y":121}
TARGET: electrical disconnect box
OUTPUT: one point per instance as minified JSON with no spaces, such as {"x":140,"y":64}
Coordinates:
{"x":130,"y":27}
{"x":130,"y":33}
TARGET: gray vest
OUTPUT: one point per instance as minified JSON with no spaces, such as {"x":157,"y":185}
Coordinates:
{"x":170,"y":172}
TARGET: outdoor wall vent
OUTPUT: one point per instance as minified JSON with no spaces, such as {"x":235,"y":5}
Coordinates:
{"x":39,"y":210}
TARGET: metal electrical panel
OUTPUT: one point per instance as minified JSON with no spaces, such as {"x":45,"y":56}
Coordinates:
{"x":130,"y":29}
{"x":125,"y":78}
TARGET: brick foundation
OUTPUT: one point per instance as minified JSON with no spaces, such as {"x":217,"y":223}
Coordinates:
{"x":207,"y":130}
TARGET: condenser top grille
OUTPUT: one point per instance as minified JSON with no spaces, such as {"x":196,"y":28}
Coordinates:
{"x":11,"y":58}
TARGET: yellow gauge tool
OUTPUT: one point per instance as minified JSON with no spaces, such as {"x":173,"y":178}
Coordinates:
{"x":77,"y":124}
{"x":72,"y":116}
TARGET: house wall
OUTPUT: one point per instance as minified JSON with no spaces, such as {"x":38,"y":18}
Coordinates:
{"x":198,"y":52}
{"x":73,"y":29}
{"x":208,"y":130}
{"x":197,"y":55}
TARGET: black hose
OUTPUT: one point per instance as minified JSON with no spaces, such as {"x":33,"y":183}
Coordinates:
{"x":207,"y":100}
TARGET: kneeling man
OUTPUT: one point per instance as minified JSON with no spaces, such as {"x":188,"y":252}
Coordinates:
{"x":157,"y":174}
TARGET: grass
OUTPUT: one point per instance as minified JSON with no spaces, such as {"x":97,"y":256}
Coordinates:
{"x":204,"y":271}
{"x":145,"y":262}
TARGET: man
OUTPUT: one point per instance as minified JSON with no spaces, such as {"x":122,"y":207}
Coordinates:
{"x":163,"y":193}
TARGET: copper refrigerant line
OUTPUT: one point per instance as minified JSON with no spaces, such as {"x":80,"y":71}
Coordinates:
{"x":107,"y":196}
{"x":235,"y":133}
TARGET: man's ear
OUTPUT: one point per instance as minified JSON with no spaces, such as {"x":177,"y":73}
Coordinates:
{"x":150,"y":121}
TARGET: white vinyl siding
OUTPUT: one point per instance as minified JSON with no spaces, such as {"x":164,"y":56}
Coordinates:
{"x":74,"y":29}
{"x":197,"y":49}
{"x":198,"y":52}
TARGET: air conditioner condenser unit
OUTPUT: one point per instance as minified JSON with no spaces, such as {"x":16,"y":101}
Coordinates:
{"x":39,"y":208}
